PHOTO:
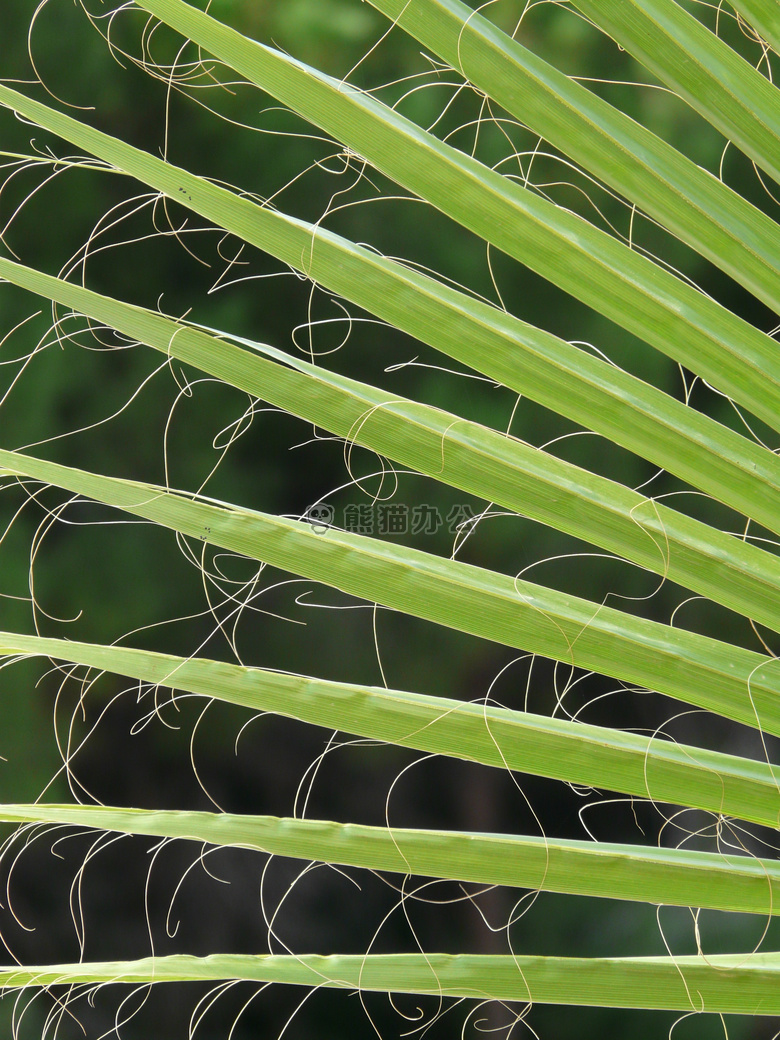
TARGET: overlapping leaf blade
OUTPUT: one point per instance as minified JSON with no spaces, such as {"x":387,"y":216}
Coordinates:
{"x":689,"y":201}
{"x":634,"y":414}
{"x":643,"y":766}
{"x":664,"y":876}
{"x":466,"y":455}
{"x":718,"y":984}
{"x":764,"y":16}
{"x":740,"y":684}
{"x":702,"y":69}
{"x":590,"y":264}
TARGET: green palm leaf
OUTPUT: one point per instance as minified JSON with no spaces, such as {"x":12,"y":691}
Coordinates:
{"x":739,"y":470}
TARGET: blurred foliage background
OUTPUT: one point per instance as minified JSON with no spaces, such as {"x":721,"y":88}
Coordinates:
{"x":98,"y":577}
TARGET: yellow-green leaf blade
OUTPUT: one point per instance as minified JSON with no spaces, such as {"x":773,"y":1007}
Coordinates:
{"x":630,"y":763}
{"x":653,"y":875}
{"x":738,"y":683}
{"x":464,"y":454}
{"x":747,"y":984}
{"x":536,"y":364}
{"x":593,"y":266}
{"x":690,"y":202}
{"x":702,"y":69}
{"x":764,"y":16}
